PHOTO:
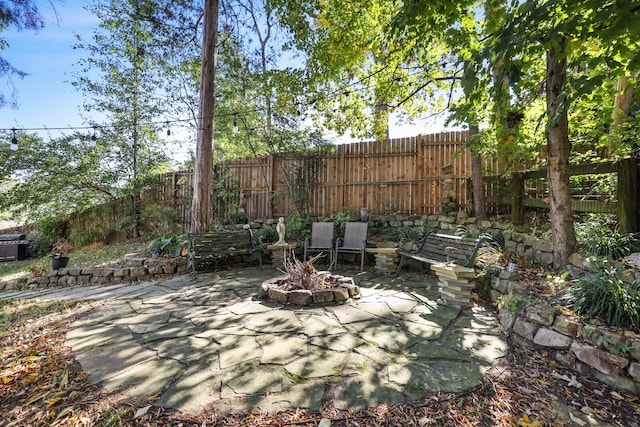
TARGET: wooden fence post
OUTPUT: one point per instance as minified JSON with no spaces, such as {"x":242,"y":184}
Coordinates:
{"x":628,"y":195}
{"x":517,"y":192}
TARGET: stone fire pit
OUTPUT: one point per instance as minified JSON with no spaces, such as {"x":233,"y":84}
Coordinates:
{"x":303,"y":285}
{"x":276,"y":290}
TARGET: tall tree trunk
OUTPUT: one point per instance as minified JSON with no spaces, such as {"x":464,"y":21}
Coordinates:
{"x":382,"y":106}
{"x":558,"y":150}
{"x":136,"y":145}
{"x":622,"y":102}
{"x":477,"y":183}
{"x":621,"y":106}
{"x":202,"y":203}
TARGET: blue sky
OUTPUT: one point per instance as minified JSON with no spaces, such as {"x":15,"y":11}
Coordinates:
{"x":45,"y":96}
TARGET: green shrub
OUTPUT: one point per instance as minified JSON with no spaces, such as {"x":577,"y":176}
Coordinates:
{"x":463,"y":231}
{"x":48,"y":229}
{"x":40,"y":243}
{"x":602,"y":295}
{"x":513,"y":302}
{"x":236,"y":216}
{"x":341,"y":219}
{"x":484,"y":278}
{"x":265,"y":236}
{"x":298,"y":228}
{"x":407,"y":233}
{"x":169,"y":244}
{"x":495,"y":239}
{"x":599,"y":235}
{"x":54,"y":226}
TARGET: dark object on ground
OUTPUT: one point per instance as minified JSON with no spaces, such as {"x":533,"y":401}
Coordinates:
{"x":13,"y":247}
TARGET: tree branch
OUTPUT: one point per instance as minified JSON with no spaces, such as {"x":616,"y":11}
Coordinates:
{"x":422,"y":86}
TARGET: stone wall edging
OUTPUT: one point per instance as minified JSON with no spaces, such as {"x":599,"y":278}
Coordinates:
{"x":613,"y":357}
{"x":135,"y":269}
{"x":520,"y":244}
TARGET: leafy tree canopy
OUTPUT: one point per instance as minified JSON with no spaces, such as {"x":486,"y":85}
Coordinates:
{"x":23,"y":15}
{"x":367,"y":59}
{"x":58,"y":175}
{"x":603,"y":41}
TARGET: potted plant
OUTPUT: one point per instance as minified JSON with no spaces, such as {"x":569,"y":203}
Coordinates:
{"x":59,"y":253}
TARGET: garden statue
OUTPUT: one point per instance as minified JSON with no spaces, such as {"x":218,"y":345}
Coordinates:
{"x":281,"y":230}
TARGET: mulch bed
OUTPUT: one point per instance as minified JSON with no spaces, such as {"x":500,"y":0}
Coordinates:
{"x":41,"y":384}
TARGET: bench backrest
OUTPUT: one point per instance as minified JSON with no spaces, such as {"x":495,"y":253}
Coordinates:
{"x":463,"y":249}
{"x":213,"y":242}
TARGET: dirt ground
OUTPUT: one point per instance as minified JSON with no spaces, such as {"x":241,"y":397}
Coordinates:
{"x":42,"y":385}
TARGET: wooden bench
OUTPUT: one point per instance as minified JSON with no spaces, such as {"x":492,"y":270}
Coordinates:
{"x":205,"y":250}
{"x":442,"y":248}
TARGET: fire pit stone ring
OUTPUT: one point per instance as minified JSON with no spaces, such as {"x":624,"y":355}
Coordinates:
{"x":279,"y":290}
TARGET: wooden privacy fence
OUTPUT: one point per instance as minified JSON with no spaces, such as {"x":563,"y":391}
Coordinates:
{"x":399,"y":175}
{"x":605,"y":187}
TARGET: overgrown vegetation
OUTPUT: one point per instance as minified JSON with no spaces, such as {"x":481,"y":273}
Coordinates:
{"x":484,"y":278}
{"x":514,"y":302}
{"x":341,"y":219}
{"x":599,"y":235}
{"x":298,"y":228}
{"x":48,"y":229}
{"x":605,"y":296}
{"x":407,"y":233}
{"x":265,"y":236}
{"x":236,"y":215}
{"x":170,"y":244}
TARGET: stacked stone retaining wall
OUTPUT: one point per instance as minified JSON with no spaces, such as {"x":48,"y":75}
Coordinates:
{"x":516,"y":243}
{"x":610,"y":355}
{"x":133,"y":269}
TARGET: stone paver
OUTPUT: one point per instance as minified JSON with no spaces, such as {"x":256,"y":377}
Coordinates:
{"x":435,"y":376}
{"x":250,"y":380}
{"x":195,"y":387}
{"x":370,"y":388}
{"x":236,"y":350}
{"x":190,"y":345}
{"x":281,"y":350}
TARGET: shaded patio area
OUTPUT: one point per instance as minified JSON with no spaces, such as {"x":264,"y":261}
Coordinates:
{"x":193,"y":345}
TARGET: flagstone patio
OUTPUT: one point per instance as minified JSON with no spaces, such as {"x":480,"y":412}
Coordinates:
{"x":211,"y":343}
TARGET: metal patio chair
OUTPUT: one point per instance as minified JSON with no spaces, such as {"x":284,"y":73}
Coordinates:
{"x":321,"y":240}
{"x":354,"y":242}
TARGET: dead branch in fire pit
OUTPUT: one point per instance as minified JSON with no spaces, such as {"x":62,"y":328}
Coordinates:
{"x":303,"y":275}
